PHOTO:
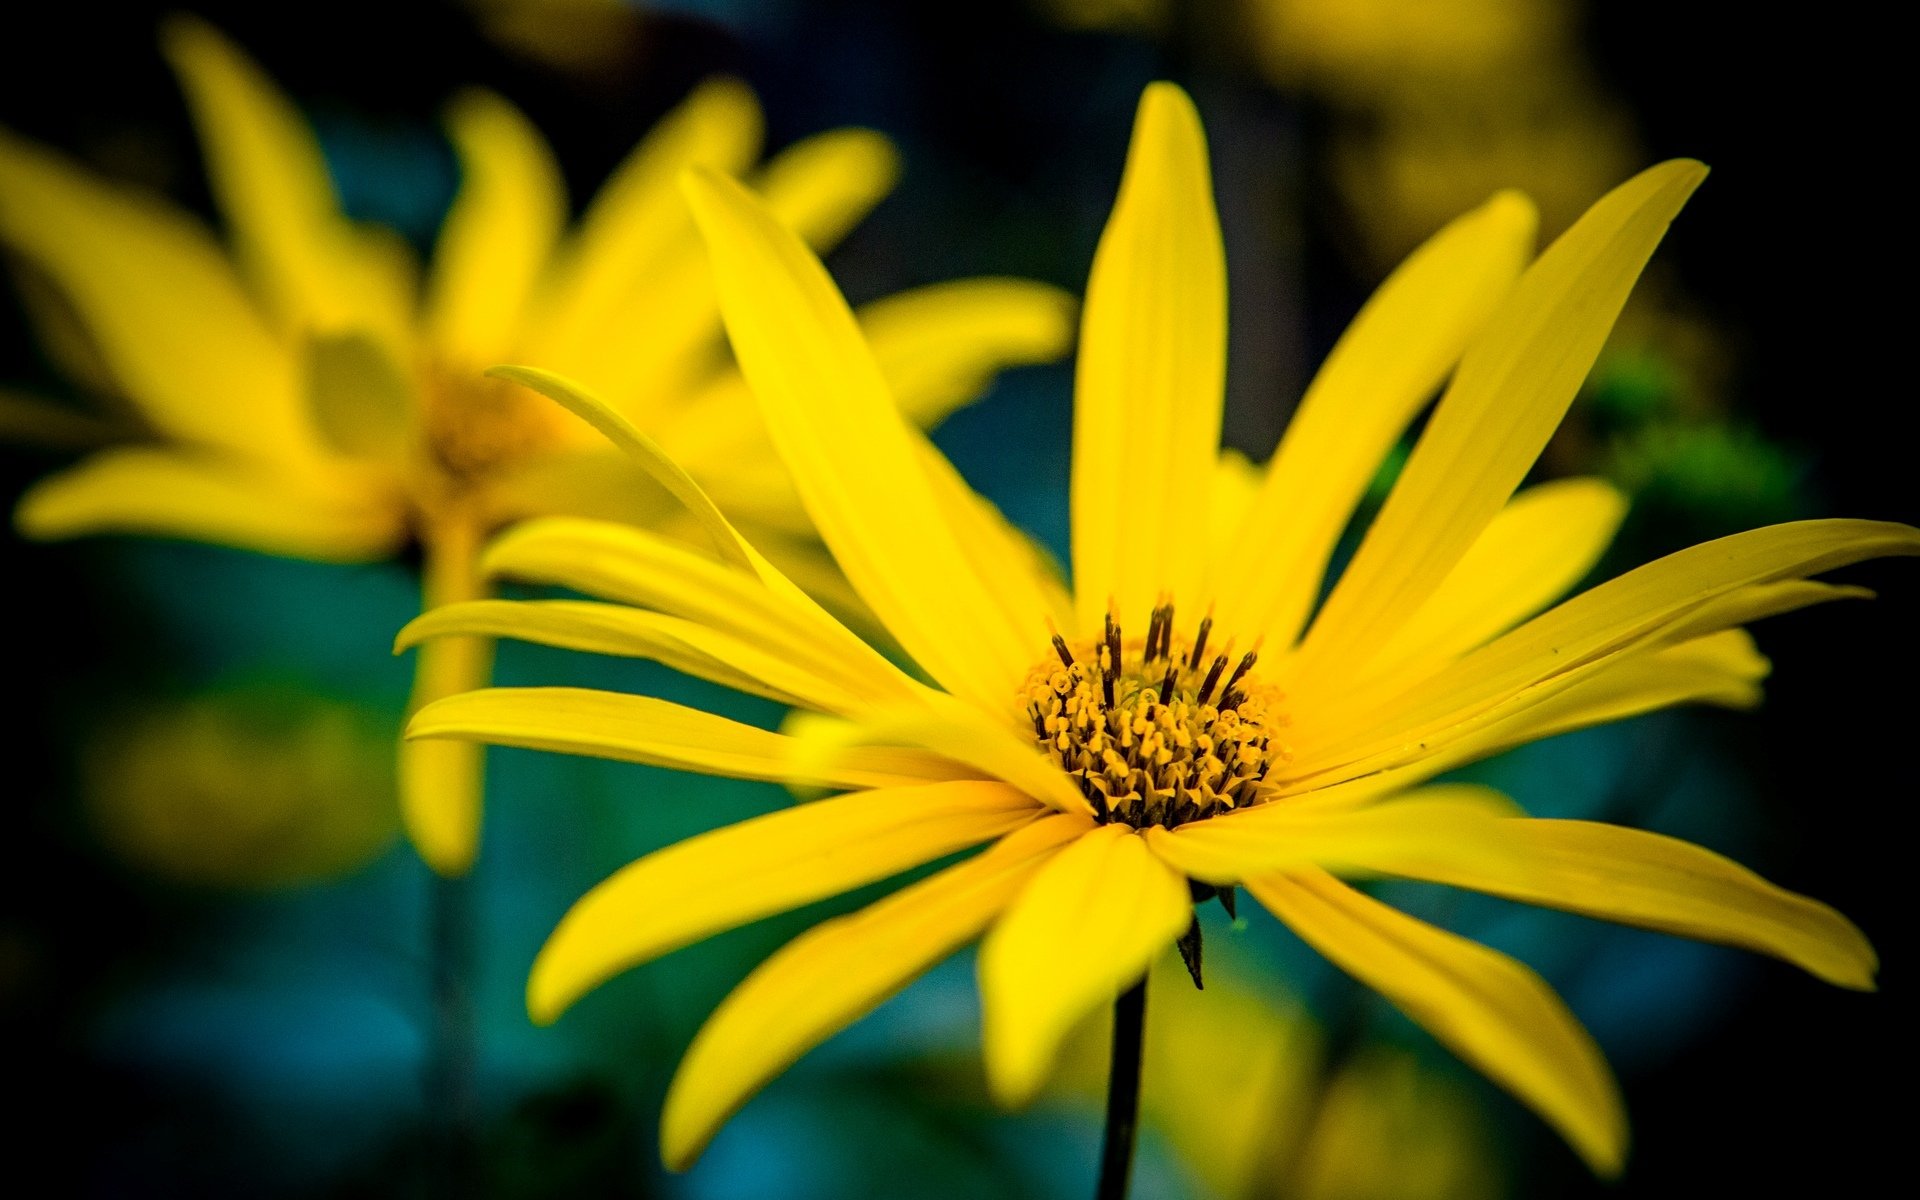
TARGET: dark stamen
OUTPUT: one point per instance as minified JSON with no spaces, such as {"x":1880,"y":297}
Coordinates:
{"x":1166,"y":686}
{"x":1112,"y":667}
{"x":1153,"y":634}
{"x":1060,"y":648}
{"x":1199,"y":643}
{"x":1239,"y":672}
{"x":1213,"y":677}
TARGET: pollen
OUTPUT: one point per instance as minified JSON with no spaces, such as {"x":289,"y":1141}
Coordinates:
{"x":1157,"y":730}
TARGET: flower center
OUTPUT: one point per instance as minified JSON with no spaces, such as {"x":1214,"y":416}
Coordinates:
{"x":475,"y":426}
{"x":1158,"y":730}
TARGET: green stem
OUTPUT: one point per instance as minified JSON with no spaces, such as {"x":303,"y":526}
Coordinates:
{"x":1123,"y":1092}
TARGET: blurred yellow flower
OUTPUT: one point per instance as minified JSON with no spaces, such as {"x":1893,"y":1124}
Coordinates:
{"x":251,"y":785}
{"x":1174,"y":725}
{"x":306,"y":395}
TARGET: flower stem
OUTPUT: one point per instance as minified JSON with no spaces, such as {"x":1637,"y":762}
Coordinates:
{"x":1123,"y":1091}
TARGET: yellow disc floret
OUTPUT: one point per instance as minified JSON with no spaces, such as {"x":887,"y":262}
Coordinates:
{"x":1155,"y":730}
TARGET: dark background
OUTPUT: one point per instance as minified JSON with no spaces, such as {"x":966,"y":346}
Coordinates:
{"x":1013,"y":133}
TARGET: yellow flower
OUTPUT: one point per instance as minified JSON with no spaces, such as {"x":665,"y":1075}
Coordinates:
{"x":308,"y":396}
{"x":1174,"y":725}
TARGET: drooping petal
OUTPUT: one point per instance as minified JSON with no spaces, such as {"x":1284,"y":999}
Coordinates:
{"x":597,"y":628}
{"x":1388,"y":363}
{"x":1152,"y":369}
{"x":1731,"y":580}
{"x":853,"y":458}
{"x":757,"y":868}
{"x":1493,"y":1012}
{"x":313,"y":267}
{"x":1513,"y":385}
{"x":1541,"y":544}
{"x":660,"y":733}
{"x":165,"y":493}
{"x":1447,"y":824}
{"x":829,"y":977}
{"x":1085,"y":928}
{"x":499,"y":234}
{"x":442,"y":783}
{"x":173,"y":327}
{"x":1658,"y":882}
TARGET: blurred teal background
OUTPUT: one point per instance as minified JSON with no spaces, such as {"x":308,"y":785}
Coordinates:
{"x":232,"y":997}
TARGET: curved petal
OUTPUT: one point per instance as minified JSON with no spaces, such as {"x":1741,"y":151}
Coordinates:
{"x":1658,"y":882}
{"x":768,"y":865}
{"x":1513,"y":386}
{"x":1152,"y":371}
{"x":853,"y":458}
{"x":499,"y":234}
{"x":1086,"y":927}
{"x":1387,"y":364}
{"x":160,"y":302}
{"x":1541,"y":544}
{"x":660,"y":733}
{"x":1493,"y":1012}
{"x":164,"y":493}
{"x":597,"y":628}
{"x":1455,"y":823}
{"x":829,"y":977}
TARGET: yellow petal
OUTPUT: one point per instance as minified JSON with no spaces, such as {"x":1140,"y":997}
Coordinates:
{"x":1541,"y":544}
{"x":635,"y":566}
{"x":165,"y":493}
{"x":1393,"y":356}
{"x":820,"y":187}
{"x":1513,"y":385}
{"x":956,"y":730}
{"x":1083,"y":930}
{"x":638,"y":216}
{"x":660,"y":733}
{"x":1722,"y":668}
{"x":270,"y":178}
{"x":1446,"y":824}
{"x":1497,"y":1015}
{"x":1153,"y":358}
{"x":1663,"y":883}
{"x":1660,"y":599}
{"x":159,"y":301}
{"x":829,"y":977}
{"x":617,"y":629}
{"x":853,"y":458}
{"x":757,"y":868}
{"x":940,"y":346}
{"x":442,"y":783}
{"x":499,"y":233}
